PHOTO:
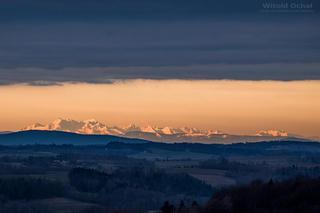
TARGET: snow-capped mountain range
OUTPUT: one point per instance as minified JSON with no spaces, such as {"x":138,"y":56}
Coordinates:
{"x":160,"y":134}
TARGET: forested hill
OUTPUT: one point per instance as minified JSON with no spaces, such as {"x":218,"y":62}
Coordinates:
{"x":272,"y":147}
{"x":293,"y":195}
{"x":58,"y":137}
{"x":32,"y":137}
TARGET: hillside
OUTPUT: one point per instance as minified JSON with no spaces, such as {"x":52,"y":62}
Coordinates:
{"x":294,"y":195}
{"x":58,"y":137}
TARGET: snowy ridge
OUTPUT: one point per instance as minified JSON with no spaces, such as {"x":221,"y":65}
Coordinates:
{"x":163,"y":134}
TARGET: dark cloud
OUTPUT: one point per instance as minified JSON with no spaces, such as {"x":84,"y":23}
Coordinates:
{"x":123,"y":9}
{"x":128,"y":9}
{"x":99,"y":75}
{"x":50,"y":42}
{"x":43,"y":83}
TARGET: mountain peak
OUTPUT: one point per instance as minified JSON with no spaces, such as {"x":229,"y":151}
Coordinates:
{"x":149,"y":129}
{"x":168,"y":131}
{"x":272,"y":132}
{"x":132,"y":128}
{"x":37,"y":126}
{"x":166,"y":134}
{"x":91,"y":120}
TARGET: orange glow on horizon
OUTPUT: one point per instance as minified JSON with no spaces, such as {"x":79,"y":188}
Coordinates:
{"x":239,"y":107}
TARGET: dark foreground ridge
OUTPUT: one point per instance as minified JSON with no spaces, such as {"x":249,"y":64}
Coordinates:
{"x":294,"y":195}
{"x":59,"y":137}
{"x":45,"y":137}
{"x":56,"y":172}
{"x":177,"y":178}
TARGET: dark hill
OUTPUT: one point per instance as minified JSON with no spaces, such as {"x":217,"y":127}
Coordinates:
{"x":264,"y":148}
{"x":295,"y":195}
{"x":57,"y":137}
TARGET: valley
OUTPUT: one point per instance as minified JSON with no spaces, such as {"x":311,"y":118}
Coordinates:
{"x":98,"y":177}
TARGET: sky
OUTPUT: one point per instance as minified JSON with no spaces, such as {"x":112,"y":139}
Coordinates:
{"x":239,"y":107}
{"x":52,"y":47}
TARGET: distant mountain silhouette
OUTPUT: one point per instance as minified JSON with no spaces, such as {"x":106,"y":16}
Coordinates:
{"x":161,"y":134}
{"x":59,"y":137}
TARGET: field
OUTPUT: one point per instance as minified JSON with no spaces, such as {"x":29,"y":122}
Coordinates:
{"x":141,"y":177}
